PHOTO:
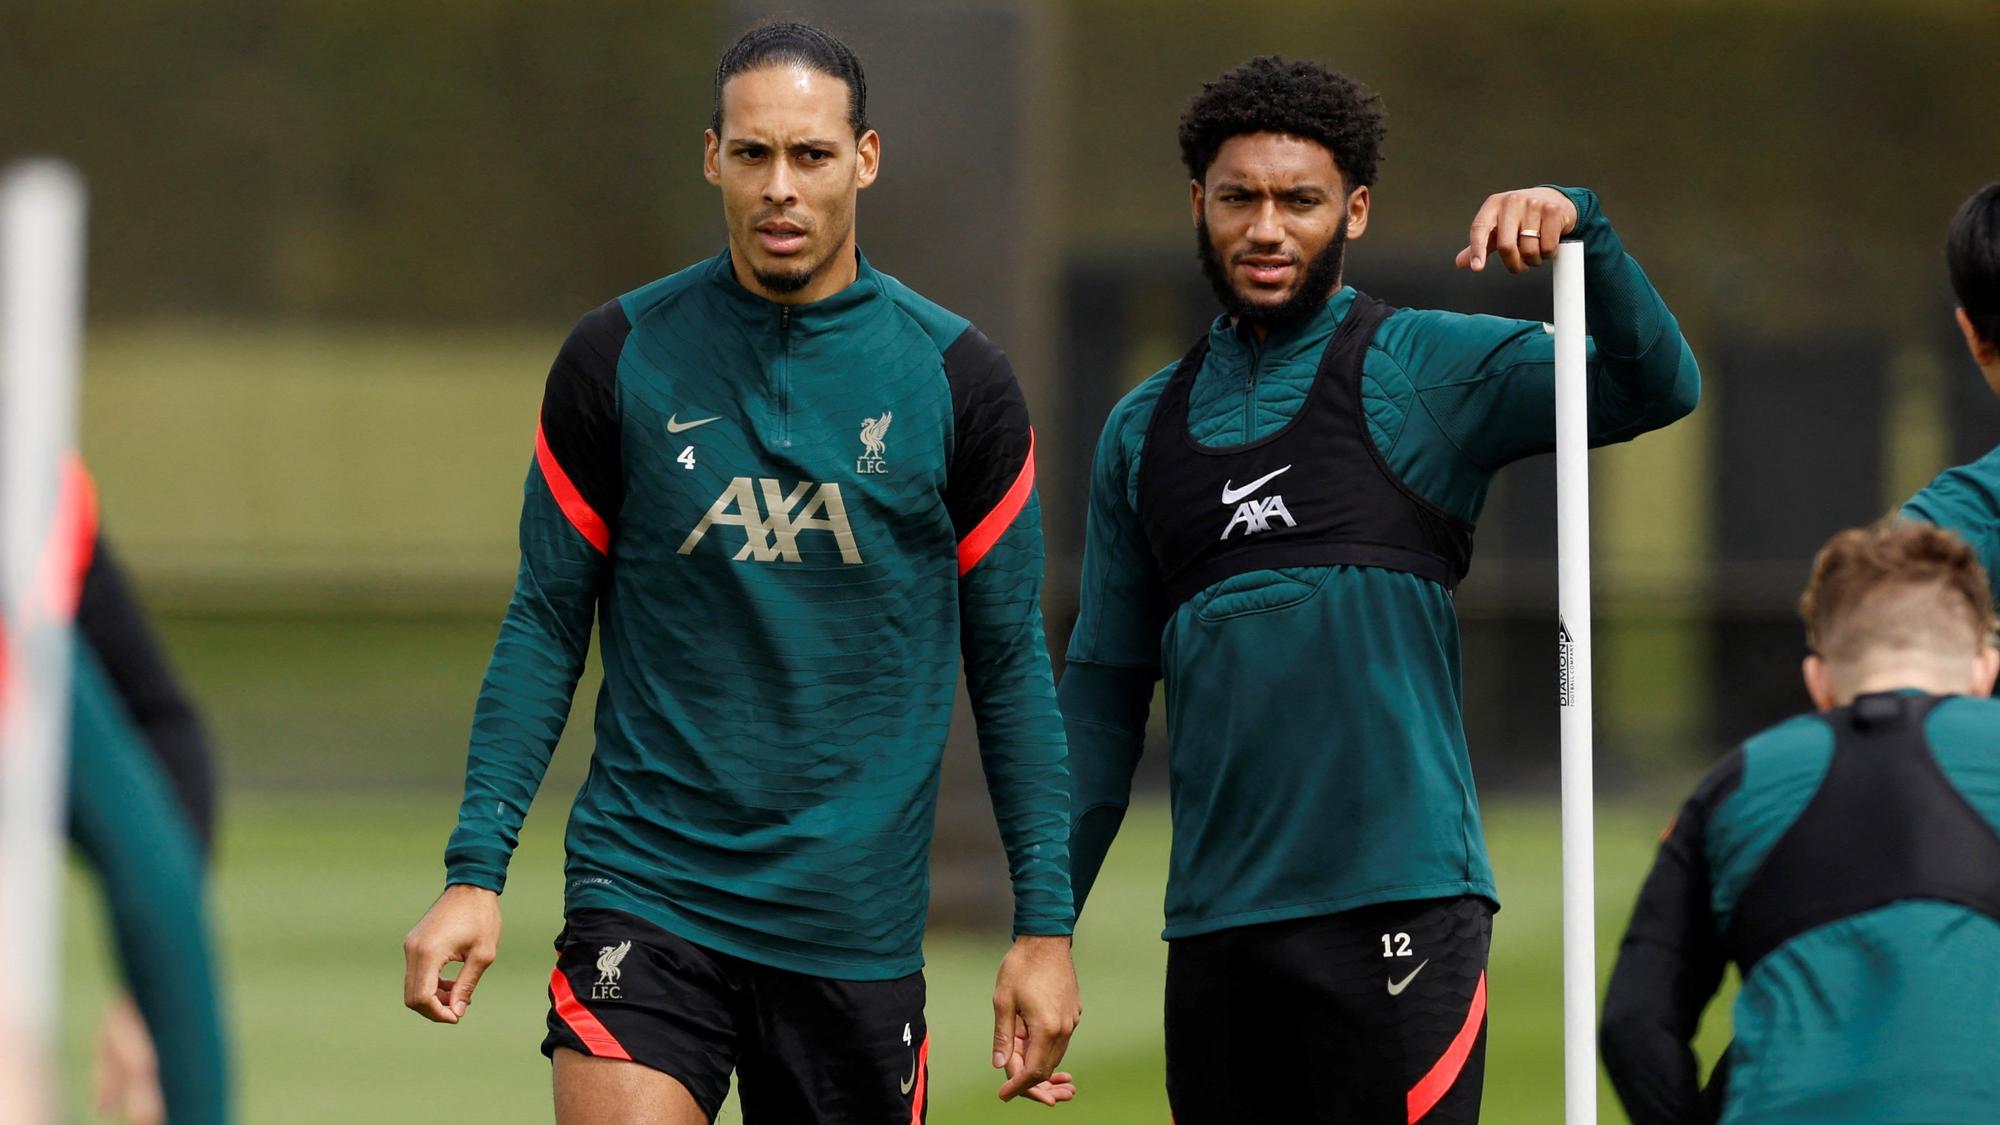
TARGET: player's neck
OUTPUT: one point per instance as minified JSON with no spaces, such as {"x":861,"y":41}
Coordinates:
{"x":1901,"y":677}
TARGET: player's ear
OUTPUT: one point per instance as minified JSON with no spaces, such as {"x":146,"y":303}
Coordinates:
{"x":1194,"y":201}
{"x":867,"y":158}
{"x":711,"y":157}
{"x":1984,"y":669}
{"x":1985,"y":352}
{"x":1357,"y":212}
{"x":1819,"y":682}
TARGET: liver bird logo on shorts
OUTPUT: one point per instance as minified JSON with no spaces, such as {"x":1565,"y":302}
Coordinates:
{"x":608,"y":960}
{"x":873,"y":431}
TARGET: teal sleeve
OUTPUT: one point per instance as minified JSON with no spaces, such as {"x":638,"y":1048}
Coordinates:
{"x":1490,"y":382}
{"x":525,"y":698}
{"x":1965,"y":500}
{"x":1104,"y":710}
{"x":1021,"y":745}
{"x":124,"y":818}
{"x":1114,"y":652}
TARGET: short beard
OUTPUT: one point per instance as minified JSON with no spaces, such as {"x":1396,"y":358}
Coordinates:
{"x":785,"y":282}
{"x":1321,"y":278}
{"x":791,"y":281}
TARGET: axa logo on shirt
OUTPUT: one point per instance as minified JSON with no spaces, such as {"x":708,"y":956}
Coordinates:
{"x":1256,"y":515}
{"x":764,"y":509}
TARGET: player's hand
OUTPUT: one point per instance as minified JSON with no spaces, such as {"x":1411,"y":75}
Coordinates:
{"x":462,"y":925}
{"x":1523,"y":227}
{"x":1035,"y":1011}
{"x":127,"y":1083}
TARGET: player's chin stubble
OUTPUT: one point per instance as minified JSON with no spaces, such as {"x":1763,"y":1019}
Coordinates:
{"x":1321,"y":276}
{"x":791,"y":281}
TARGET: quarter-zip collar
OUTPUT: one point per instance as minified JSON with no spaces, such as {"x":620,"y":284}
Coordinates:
{"x":1233,"y":378}
{"x":1236,"y":348}
{"x":806,"y":319}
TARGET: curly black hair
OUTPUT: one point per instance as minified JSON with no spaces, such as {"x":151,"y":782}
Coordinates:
{"x":1270,"y":94}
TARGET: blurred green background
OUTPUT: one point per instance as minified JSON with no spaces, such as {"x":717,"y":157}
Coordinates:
{"x":335,"y":243}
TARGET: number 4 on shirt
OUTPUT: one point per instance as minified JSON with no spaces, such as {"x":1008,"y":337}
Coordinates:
{"x":686,"y":458}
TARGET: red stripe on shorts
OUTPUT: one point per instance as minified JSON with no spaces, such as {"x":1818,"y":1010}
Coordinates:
{"x":923,"y":1072}
{"x":595,"y":1035}
{"x":1432,"y":1088}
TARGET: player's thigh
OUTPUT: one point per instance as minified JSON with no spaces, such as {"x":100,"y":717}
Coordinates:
{"x":1398,"y":1018}
{"x":830,"y":1052}
{"x":601,"y":1091}
{"x":1230,"y":1054}
{"x":633,"y":996}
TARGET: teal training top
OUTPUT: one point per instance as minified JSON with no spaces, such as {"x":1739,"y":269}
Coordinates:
{"x":1316,"y":750}
{"x":788,"y":523}
{"x":1887,"y":1015}
{"x":1965,"y":500}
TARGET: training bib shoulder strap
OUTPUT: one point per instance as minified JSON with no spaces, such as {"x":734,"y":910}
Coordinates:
{"x":1315,"y":493}
{"x":1886,"y":825}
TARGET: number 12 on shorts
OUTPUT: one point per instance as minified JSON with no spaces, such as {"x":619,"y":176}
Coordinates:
{"x":1396,"y":945}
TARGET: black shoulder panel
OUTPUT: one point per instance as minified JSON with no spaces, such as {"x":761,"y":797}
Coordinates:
{"x":580,"y":407}
{"x":1886,"y":825}
{"x":990,"y":428}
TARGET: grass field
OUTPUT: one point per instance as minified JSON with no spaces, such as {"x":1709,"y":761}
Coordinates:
{"x":315,"y":892}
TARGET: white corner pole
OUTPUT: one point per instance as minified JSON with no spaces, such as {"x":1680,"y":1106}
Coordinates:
{"x":41,"y":325}
{"x":1579,"y":914}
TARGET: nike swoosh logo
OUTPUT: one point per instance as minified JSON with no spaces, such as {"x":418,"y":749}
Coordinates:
{"x":1396,"y":987}
{"x":1232,"y":495}
{"x":911,"y":1081}
{"x":674,"y":427}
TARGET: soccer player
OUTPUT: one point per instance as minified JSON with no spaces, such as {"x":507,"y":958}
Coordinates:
{"x":135,"y":747}
{"x":1966,"y":499}
{"x":792,"y":492}
{"x":1847,"y":863}
{"x":1276,"y":525}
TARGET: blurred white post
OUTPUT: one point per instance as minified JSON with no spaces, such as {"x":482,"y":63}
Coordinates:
{"x":1579,"y":916}
{"x":41,"y":324}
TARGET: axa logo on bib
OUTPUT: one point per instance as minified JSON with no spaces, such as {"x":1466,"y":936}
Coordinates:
{"x":1253,"y":515}
{"x":764,"y":509}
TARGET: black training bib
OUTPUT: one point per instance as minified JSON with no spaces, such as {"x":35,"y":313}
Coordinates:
{"x":1886,"y":825}
{"x":1316,"y":493}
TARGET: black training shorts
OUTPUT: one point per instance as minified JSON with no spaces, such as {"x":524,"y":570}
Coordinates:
{"x":1374,"y":1015}
{"x":805,"y":1049}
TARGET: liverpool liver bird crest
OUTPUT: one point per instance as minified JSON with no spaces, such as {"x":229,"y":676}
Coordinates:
{"x":872,"y":432}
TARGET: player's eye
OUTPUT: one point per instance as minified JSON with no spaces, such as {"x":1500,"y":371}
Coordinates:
{"x":751,"y":152}
{"x":818,"y":154}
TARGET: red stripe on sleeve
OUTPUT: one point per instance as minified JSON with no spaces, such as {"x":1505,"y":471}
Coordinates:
{"x":581,"y":515}
{"x":1432,"y":1087}
{"x":997,"y":521}
{"x":72,"y":541}
{"x":595,"y":1035}
{"x":923,"y":1072}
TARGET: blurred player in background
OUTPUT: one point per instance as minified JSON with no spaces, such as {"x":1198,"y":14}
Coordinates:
{"x":1966,"y":499}
{"x":1848,"y":864}
{"x":140,"y":811}
{"x":1276,"y":526}
{"x":112,"y":622}
{"x":791,"y":492}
